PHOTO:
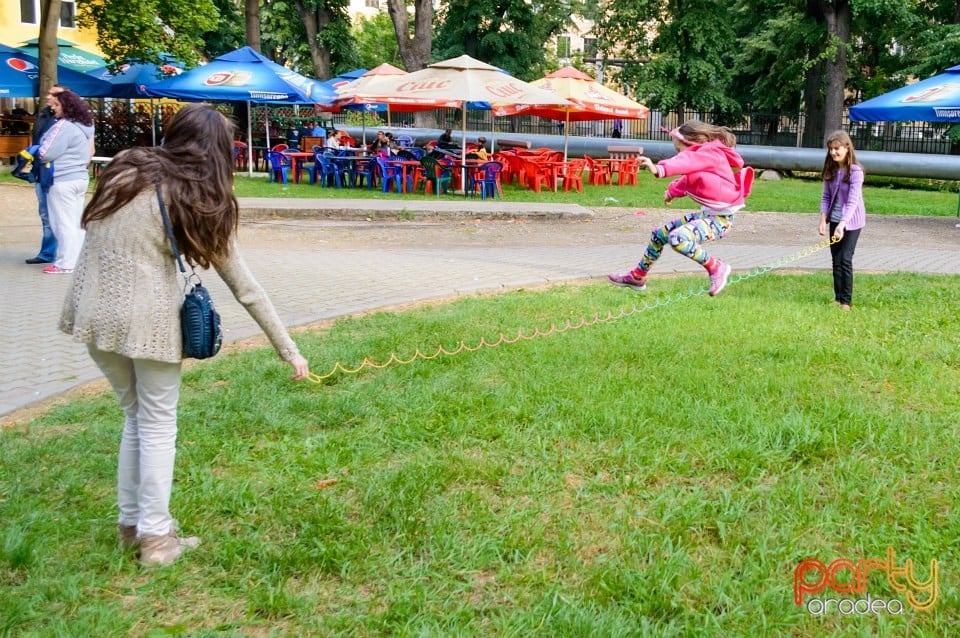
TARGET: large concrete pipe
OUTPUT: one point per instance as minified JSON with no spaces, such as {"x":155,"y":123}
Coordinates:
{"x":780,"y":158}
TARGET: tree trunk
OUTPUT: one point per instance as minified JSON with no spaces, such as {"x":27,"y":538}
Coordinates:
{"x":47,"y":49}
{"x":837,"y":15}
{"x":252,"y":24}
{"x":415,"y":49}
{"x":314,"y":22}
{"x":813,"y":125}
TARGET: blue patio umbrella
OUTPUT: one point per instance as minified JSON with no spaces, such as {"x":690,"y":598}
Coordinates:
{"x":935,"y":99}
{"x":243,"y":75}
{"x":343,"y":79}
{"x":20,"y":77}
{"x":130,"y":80}
{"x":69,"y":55}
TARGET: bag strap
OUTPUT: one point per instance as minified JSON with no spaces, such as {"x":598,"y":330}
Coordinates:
{"x":169,"y":229}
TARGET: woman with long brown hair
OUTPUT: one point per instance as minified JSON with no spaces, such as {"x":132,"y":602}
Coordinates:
{"x":126,"y":295}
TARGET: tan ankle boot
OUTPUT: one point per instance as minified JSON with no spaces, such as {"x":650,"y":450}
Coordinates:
{"x":127,"y":535}
{"x":163,"y":550}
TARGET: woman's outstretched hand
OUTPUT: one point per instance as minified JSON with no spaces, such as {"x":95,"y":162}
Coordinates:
{"x":301,"y":369}
{"x":648,"y":164}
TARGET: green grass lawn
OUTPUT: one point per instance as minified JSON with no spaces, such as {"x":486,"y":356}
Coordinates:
{"x":789,"y":195}
{"x":661,"y":474}
{"x":883,"y":195}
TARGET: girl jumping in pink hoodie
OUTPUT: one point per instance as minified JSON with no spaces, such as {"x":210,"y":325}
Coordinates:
{"x":713,"y":175}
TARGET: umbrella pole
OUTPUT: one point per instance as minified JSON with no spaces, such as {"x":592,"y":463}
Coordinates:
{"x":463,"y":149}
{"x":566,"y":135}
{"x":249,"y":141}
{"x":266,"y":125}
{"x":153,"y":122}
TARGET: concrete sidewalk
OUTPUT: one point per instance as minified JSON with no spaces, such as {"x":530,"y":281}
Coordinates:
{"x":311,"y":283}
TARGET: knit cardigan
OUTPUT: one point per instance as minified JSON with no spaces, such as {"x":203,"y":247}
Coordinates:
{"x":126,"y":292}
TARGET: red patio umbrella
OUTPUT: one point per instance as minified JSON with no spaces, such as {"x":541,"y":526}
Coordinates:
{"x":587,"y":100}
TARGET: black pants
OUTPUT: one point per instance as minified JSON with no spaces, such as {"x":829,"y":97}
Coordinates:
{"x":842,"y":253}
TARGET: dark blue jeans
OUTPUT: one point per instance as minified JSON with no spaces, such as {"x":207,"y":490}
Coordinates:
{"x":48,"y":245}
{"x":842,"y":253}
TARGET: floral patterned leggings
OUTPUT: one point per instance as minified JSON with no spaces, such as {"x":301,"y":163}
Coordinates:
{"x":686,"y":235}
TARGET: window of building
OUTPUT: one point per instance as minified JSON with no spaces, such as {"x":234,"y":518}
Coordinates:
{"x":30,"y":12}
{"x":563,"y":46}
{"x":589,"y":47}
{"x":373,"y":4}
{"x":68,"y":14}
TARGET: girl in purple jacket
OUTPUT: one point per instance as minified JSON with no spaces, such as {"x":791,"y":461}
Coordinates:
{"x":842,"y":210}
{"x":713,"y":175}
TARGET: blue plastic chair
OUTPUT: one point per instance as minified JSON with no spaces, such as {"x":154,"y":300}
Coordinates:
{"x":389,"y":174}
{"x":403,"y":141}
{"x":364,"y":170}
{"x":417,"y":152}
{"x":279,"y":166}
{"x":490,"y":180}
{"x":324,"y":170}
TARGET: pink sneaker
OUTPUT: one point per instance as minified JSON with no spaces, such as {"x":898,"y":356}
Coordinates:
{"x":719,"y":278}
{"x":628,"y":280}
{"x":53,"y":269}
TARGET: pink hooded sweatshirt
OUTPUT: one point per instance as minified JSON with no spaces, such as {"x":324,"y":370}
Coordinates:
{"x":708,"y":175}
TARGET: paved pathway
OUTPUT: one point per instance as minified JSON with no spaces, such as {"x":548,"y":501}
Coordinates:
{"x":309,"y":283}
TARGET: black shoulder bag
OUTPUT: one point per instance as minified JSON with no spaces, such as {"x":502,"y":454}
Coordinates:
{"x":199,"y":320}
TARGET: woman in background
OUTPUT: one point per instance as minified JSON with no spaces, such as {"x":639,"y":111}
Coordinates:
{"x":68,"y":143}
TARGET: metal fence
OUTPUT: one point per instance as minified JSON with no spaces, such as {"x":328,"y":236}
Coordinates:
{"x":125,"y":123}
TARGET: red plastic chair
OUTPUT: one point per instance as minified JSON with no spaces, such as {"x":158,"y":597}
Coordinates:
{"x":573,"y":175}
{"x":629,"y":168}
{"x":535,"y":175}
{"x":599,"y":173}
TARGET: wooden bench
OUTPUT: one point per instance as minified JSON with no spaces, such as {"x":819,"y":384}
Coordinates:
{"x":624,"y":152}
{"x":308,"y":142}
{"x":10,"y":145}
{"x":506,"y":145}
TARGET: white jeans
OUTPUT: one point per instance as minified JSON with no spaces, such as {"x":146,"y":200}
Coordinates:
{"x":148,"y":392}
{"x":65,"y":208}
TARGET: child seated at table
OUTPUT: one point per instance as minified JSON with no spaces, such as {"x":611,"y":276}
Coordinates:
{"x":481,"y":150}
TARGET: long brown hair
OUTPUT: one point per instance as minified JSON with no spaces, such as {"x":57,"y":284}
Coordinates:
{"x":831,"y":167}
{"x":697,"y":132}
{"x":195,"y":169}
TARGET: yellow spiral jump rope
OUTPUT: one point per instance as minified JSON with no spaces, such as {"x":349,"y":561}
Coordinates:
{"x":567,"y":325}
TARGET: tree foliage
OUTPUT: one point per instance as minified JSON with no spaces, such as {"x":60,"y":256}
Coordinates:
{"x":145,"y":29}
{"x":375,"y":42}
{"x":679,"y":52}
{"x":313,"y":36}
{"x":510,"y":34}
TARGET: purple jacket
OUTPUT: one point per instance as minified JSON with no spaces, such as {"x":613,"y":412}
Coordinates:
{"x":850,"y":196}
